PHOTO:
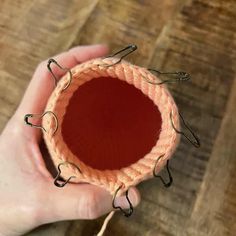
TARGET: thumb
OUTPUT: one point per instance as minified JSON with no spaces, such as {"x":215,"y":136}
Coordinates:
{"x":81,"y":201}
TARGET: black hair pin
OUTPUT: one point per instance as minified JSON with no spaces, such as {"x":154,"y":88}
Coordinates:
{"x":170,"y":181}
{"x":50,"y":61}
{"x":127,"y":50}
{"x":128,"y":212}
{"x":56,"y":180}
{"x":28,"y":116}
{"x":195,"y":141}
{"x":179,"y":77}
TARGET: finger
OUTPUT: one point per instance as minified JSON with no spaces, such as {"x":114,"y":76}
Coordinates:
{"x":42,"y":85}
{"x":83,"y":201}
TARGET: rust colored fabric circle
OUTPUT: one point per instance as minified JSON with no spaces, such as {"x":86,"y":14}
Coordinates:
{"x":112,"y":124}
{"x":112,"y":129}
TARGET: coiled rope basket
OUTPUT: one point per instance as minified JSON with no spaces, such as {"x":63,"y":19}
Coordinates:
{"x":111,"y":123}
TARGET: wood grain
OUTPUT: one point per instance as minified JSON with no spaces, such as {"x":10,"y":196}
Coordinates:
{"x":197,"y":36}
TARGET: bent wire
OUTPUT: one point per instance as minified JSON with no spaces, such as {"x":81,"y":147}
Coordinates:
{"x":58,"y":176}
{"x":179,"y":76}
{"x":56,"y":79}
{"x":28,"y":116}
{"x":127,"y":50}
{"x":128,"y":212}
{"x":196,"y":142}
{"x":170,"y":181}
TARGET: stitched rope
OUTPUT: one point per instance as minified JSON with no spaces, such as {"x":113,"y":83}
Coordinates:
{"x":127,"y":176}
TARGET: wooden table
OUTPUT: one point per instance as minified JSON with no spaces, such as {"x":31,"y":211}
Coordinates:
{"x":197,"y":36}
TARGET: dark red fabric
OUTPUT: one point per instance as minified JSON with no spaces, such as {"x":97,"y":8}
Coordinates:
{"x":110,"y":124}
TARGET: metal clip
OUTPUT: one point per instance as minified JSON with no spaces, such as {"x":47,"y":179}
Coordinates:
{"x":179,"y":76}
{"x":196,"y":143}
{"x":128,"y":212}
{"x":128,"y":50}
{"x":27,"y":116}
{"x":60,"y":185}
{"x":166,"y":184}
{"x":50,"y":61}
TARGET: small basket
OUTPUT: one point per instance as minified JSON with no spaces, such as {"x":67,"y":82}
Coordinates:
{"x":111,"y":123}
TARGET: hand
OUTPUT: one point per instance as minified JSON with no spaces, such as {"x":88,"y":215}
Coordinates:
{"x":28,"y":197}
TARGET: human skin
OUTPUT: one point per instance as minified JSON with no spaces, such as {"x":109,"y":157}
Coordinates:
{"x":28,"y":197}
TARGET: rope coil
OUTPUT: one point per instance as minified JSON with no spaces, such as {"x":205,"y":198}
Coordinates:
{"x":111,"y":180}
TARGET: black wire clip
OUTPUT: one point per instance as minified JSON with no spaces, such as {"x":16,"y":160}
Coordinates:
{"x":58,"y":177}
{"x":127,"y":50}
{"x":28,"y":116}
{"x":128,"y":212}
{"x":179,"y":76}
{"x":196,"y":142}
{"x":50,"y":61}
{"x":170,"y":181}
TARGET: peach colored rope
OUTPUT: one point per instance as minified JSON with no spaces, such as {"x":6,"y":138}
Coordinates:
{"x":127,"y":176}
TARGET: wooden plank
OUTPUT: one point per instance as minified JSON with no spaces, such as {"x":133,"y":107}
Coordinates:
{"x":214,"y":212}
{"x":120,"y":23}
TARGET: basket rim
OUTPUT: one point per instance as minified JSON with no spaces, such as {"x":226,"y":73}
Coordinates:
{"x":126,"y":176}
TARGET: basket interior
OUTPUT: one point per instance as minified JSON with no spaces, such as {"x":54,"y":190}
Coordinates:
{"x":110,"y":124}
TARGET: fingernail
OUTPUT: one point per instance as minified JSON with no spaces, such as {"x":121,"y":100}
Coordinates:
{"x":134,"y":197}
